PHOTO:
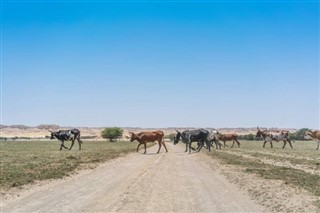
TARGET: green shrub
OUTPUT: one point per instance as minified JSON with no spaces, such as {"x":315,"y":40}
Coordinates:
{"x":112,"y":133}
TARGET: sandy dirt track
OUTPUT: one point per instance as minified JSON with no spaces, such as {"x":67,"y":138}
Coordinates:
{"x":165,"y":182}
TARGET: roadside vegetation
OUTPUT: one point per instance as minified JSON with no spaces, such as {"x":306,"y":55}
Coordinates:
{"x":23,"y":162}
{"x":112,"y":133}
{"x":298,"y":167}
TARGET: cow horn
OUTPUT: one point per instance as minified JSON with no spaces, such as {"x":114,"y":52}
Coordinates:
{"x":50,"y":130}
{"x":177,"y":131}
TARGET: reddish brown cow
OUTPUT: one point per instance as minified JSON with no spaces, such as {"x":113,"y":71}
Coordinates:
{"x":145,"y":137}
{"x":315,"y":135}
{"x":229,"y":137}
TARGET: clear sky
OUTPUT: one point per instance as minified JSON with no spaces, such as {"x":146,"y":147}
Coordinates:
{"x":161,"y":63}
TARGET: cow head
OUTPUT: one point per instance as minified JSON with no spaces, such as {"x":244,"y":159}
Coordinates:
{"x":259,"y":134}
{"x":308,"y":135}
{"x":52,"y":134}
{"x":133,"y":136}
{"x":177,"y":137}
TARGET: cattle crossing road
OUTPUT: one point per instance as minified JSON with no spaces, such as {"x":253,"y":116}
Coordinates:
{"x":165,"y":182}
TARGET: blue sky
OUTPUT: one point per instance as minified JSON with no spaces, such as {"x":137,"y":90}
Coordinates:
{"x":161,"y":64}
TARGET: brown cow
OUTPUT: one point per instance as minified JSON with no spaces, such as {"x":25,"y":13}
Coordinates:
{"x":228,"y":137}
{"x":315,"y":135}
{"x":145,"y":137}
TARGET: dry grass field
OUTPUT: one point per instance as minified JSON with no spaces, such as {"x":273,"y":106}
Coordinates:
{"x":24,"y":162}
{"x":298,"y":168}
{"x":279,"y":180}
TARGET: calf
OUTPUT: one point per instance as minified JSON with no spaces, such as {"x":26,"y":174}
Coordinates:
{"x":229,"y":137}
{"x":213,"y":136}
{"x":145,"y":137}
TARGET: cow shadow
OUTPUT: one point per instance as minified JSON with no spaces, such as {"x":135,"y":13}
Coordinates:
{"x":149,"y":153}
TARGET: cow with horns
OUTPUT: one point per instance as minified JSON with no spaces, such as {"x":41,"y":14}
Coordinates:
{"x":189,"y":136}
{"x":268,"y":136}
{"x":67,"y":135}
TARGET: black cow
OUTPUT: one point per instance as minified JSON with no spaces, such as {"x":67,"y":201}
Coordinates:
{"x":67,"y":135}
{"x":189,"y":136}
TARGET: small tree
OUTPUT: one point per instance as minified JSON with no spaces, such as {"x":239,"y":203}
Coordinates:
{"x":112,"y":133}
{"x":170,"y":136}
{"x":298,"y":135}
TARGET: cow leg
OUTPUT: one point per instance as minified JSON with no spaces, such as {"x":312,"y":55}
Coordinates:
{"x":71,"y":144}
{"x":200,"y":146}
{"x":264,"y":143}
{"x":208,"y":145}
{"x":215,"y":142}
{"x":79,"y":142}
{"x":186,"y":147}
{"x":62,"y":145}
{"x":284,"y":144}
{"x":271,"y":144}
{"x":290,"y":144}
{"x":159,"y":143}
{"x":318,"y":145}
{"x":225,"y":143}
{"x":219,"y":144}
{"x":145,"y":148}
{"x":238,"y":143}
{"x":164,"y":144}
{"x":138,"y":147}
{"x":190,"y":147}
{"x":232,"y":144}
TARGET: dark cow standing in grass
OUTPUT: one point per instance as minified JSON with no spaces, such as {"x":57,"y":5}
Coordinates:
{"x":228,"y":137}
{"x":189,"y":136}
{"x":145,"y":137}
{"x":269,"y":136}
{"x":315,"y":135}
{"x":67,"y":135}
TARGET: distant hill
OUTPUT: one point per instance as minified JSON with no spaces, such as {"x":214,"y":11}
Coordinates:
{"x":41,"y":131}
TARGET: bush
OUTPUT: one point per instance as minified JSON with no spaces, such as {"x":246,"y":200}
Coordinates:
{"x":112,"y":133}
{"x":249,"y":137}
{"x":298,"y":135}
{"x":170,"y":136}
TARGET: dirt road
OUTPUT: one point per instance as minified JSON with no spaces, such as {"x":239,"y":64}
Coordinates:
{"x":166,"y":182}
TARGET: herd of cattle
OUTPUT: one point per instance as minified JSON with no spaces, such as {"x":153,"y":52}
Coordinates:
{"x":202,"y":137}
